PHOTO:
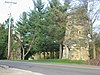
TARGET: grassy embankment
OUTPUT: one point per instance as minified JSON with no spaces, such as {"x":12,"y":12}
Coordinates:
{"x":63,"y":61}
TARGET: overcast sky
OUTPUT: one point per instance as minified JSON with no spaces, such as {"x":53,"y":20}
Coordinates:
{"x":15,"y":9}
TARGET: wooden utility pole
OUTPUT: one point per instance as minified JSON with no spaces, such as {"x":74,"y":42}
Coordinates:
{"x":9,"y":31}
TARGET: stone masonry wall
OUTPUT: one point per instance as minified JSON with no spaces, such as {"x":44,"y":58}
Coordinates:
{"x":76,"y":41}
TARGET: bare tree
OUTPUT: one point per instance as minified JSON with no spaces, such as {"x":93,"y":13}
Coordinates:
{"x":93,"y":12}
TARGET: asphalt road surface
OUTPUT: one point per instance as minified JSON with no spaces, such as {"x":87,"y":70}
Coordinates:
{"x":53,"y":69}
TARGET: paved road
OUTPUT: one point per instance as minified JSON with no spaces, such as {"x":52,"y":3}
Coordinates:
{"x":5,"y":70}
{"x":54,"y":69}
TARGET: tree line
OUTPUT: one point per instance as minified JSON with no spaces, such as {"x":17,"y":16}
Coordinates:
{"x":43,"y":28}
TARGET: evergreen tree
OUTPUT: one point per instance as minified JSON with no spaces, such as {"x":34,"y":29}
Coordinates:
{"x":3,"y":41}
{"x":57,"y":25}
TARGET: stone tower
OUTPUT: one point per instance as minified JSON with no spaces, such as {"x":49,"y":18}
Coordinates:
{"x":75,"y":43}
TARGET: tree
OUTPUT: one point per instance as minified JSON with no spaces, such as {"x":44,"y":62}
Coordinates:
{"x":93,"y":13}
{"x":26,"y":38}
{"x":30,"y":28}
{"x":97,"y":43}
{"x":58,"y":21}
{"x":3,"y":41}
{"x":38,"y":18}
{"x":40,"y":25}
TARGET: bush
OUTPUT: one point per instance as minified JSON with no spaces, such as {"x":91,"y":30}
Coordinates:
{"x":95,"y":61}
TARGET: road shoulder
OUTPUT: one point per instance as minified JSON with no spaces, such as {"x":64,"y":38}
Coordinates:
{"x":5,"y":70}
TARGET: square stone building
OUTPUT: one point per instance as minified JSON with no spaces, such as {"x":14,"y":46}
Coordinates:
{"x":76,"y":45}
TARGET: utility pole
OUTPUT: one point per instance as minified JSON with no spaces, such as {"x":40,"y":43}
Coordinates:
{"x":9,"y":31}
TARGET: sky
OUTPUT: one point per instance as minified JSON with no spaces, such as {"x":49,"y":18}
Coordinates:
{"x":15,"y":9}
{"x":21,"y":6}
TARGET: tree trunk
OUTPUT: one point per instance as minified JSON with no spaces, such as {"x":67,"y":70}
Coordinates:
{"x":47,"y":55}
{"x":23,"y":54}
{"x":67,"y":52}
{"x":44,"y":54}
{"x":94,"y":51}
{"x":40,"y":54}
{"x":60,"y":52}
{"x":51,"y":55}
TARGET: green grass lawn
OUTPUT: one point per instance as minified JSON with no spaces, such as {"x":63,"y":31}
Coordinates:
{"x":64,"y":61}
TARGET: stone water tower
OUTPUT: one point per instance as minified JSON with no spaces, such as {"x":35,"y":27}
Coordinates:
{"x":76,"y":46}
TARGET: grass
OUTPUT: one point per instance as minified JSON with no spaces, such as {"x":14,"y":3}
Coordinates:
{"x":64,"y":61}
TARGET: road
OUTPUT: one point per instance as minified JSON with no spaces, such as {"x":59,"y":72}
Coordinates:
{"x":53,"y":69}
